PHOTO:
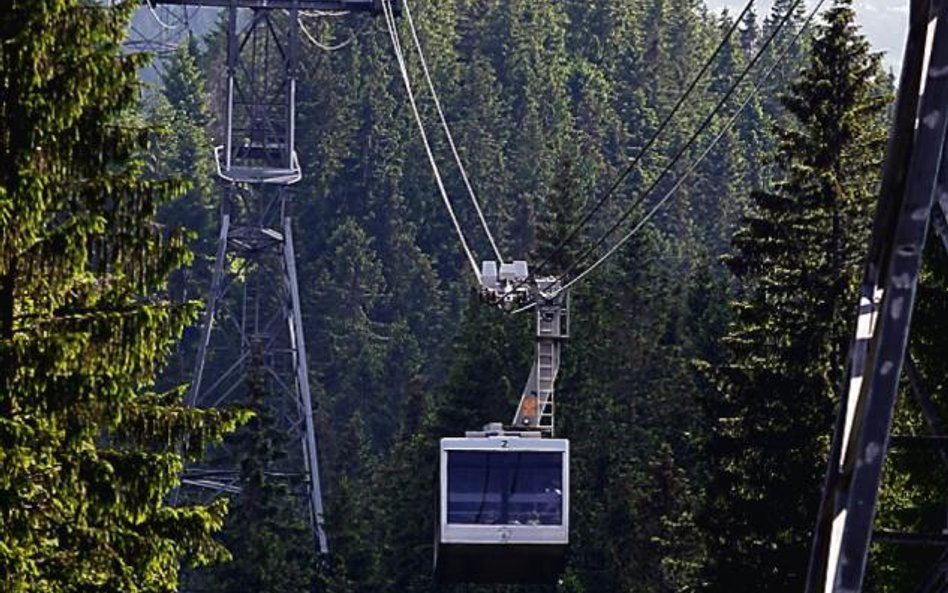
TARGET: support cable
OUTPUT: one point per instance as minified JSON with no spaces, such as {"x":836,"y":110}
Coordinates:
{"x":447,"y":132}
{"x":324,"y":46}
{"x":687,"y":146}
{"x":154,"y":15}
{"x":694,"y":166}
{"x":400,"y":58}
{"x":614,"y":186}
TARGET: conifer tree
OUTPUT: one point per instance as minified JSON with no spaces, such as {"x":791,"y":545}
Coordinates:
{"x":537,"y":72}
{"x":407,"y":484}
{"x":483,"y":136}
{"x":750,"y":32}
{"x":719,"y":199}
{"x":624,"y":398}
{"x":266,"y":532}
{"x":558,"y":216}
{"x":491,"y":361}
{"x":797,"y":256}
{"x":599,"y":136}
{"x":790,"y":65}
{"x":626,"y":68}
{"x":356,"y":513}
{"x":350,"y":349}
{"x":183,"y":149}
{"x":88,"y":452}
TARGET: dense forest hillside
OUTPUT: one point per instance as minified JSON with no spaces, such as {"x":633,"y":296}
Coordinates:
{"x":548,"y":102}
{"x":698,"y":387}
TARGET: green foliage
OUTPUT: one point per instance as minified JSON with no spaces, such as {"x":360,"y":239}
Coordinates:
{"x":181,"y":148}
{"x":88,"y":453}
{"x":796,"y":259}
{"x":626,"y":401}
{"x":357,"y":510}
{"x":682,"y":480}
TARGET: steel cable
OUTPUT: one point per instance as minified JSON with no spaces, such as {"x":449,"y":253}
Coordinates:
{"x":614,"y":186}
{"x":447,"y":132}
{"x":694,"y":166}
{"x":399,"y":56}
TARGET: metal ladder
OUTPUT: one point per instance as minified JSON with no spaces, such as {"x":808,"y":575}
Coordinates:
{"x":537,"y":409}
{"x":547,"y":364}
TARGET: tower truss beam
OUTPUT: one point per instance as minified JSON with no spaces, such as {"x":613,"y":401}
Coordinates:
{"x":252,"y":345}
{"x":253,"y":327}
{"x":536,"y":409}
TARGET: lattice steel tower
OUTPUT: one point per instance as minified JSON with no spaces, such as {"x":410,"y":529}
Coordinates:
{"x":252,"y":325}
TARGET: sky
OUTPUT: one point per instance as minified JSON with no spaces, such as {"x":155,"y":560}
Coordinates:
{"x":884,"y":22}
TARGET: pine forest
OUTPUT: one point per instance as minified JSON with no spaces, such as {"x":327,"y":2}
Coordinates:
{"x":709,"y":178}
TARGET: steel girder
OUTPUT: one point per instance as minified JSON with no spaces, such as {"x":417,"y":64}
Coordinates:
{"x":914,"y":190}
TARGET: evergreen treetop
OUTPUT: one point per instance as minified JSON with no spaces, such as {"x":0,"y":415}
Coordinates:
{"x":88,"y":454}
{"x":796,"y":259}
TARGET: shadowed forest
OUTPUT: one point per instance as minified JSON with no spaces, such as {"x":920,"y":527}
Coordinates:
{"x":700,"y":383}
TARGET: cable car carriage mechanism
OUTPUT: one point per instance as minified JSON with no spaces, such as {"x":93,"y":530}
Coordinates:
{"x":503,"y":514}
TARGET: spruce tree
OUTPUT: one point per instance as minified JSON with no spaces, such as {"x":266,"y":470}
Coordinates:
{"x":490,"y":363}
{"x":183,"y":149}
{"x":557,"y":218}
{"x":483,"y":136}
{"x":624,"y":399}
{"x":407,"y":484}
{"x":626,"y":67}
{"x":267,"y":534}
{"x":88,"y":452}
{"x":350,"y":349}
{"x":796,"y":259}
{"x":356,"y":512}
{"x":719,"y":199}
{"x":750,"y":32}
{"x":537,"y":74}
{"x":788,"y":67}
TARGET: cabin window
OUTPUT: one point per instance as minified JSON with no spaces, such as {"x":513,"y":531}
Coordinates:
{"x":505,"y":488}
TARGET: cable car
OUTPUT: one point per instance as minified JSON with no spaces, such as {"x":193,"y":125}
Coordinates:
{"x":503,"y":496}
{"x":504,"y":508}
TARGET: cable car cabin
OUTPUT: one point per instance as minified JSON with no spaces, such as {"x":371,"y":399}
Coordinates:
{"x":504,"y":509}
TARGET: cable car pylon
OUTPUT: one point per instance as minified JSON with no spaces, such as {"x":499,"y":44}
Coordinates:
{"x":252,"y":324}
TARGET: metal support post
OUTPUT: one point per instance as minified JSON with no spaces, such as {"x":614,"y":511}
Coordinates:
{"x":298,"y":344}
{"x":210,"y":306}
{"x":252,"y":323}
